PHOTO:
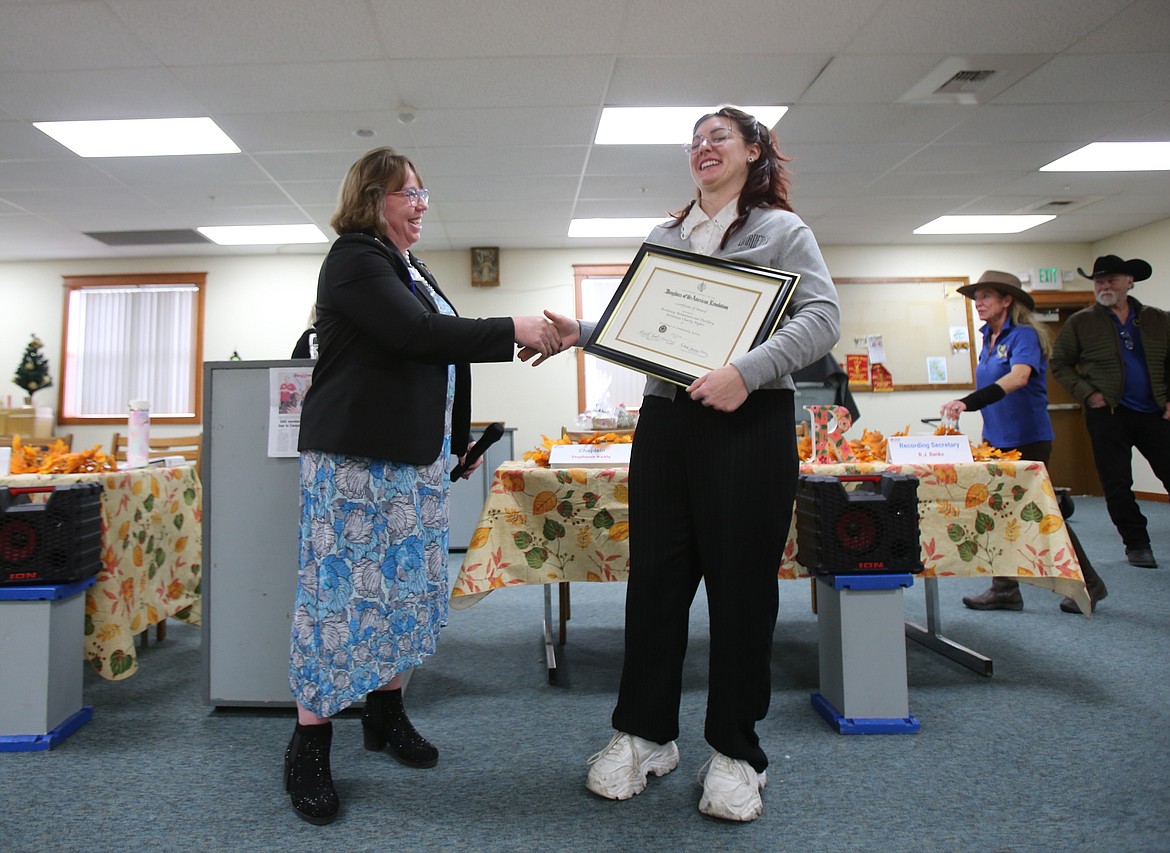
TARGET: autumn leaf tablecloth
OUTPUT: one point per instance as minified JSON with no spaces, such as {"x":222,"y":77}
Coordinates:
{"x":543,"y":525}
{"x":152,"y":556}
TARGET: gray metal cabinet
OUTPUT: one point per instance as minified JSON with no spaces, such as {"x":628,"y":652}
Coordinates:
{"x":250,"y":517}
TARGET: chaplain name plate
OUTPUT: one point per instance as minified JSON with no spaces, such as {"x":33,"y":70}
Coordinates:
{"x":928,"y":449}
{"x":589,"y":455}
{"x":678,"y":315}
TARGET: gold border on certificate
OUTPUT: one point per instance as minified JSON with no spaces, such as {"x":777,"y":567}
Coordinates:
{"x":678,"y":315}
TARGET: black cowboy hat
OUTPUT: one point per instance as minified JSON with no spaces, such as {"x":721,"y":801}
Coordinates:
{"x":1111,"y":264}
{"x":1005,"y":283}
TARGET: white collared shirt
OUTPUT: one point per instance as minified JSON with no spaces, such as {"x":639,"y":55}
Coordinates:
{"x":704,"y":232}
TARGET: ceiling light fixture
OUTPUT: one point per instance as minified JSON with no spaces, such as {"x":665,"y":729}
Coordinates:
{"x":262,"y":235}
{"x":615,"y":227}
{"x":148,"y":137}
{"x":1114,"y":157}
{"x":664,"y":125}
{"x":1006,"y":224}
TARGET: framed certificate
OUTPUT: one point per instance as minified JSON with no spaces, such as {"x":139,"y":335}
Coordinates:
{"x":678,"y":315}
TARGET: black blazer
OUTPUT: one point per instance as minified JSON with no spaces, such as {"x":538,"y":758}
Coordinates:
{"x":380,"y":382}
{"x":301,"y":348}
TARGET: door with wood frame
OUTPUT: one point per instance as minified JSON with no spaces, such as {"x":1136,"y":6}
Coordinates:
{"x":1071,"y":465}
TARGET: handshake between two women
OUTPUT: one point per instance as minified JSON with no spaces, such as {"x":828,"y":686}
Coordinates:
{"x":545,"y":336}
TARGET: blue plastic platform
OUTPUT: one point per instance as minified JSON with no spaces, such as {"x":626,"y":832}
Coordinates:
{"x":862,"y":725}
{"x":863,"y":582}
{"x":46,"y":592}
{"x":39,"y":743}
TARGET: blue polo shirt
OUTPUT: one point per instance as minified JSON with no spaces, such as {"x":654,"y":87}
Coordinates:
{"x":1137,"y":394}
{"x":1022,"y":416}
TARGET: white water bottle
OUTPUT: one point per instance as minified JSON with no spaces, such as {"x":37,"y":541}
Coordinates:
{"x":138,"y":440}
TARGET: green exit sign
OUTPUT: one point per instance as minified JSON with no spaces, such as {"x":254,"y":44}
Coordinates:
{"x":1048,"y":275}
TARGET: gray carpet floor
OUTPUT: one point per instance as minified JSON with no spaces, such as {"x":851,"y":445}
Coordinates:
{"x":1065,"y":747}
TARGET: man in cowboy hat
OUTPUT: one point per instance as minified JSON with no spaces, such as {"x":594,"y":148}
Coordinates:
{"x":1113,"y":358}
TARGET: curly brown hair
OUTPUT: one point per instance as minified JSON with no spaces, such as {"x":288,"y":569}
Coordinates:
{"x":768,"y":180}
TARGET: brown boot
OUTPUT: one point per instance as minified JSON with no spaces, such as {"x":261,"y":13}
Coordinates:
{"x":1004,"y":594}
{"x":1093,"y":584}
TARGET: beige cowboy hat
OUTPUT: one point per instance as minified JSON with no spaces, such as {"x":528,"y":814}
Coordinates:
{"x":1003,"y":282}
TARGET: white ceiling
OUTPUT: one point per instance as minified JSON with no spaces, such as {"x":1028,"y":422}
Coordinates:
{"x":507,"y":95}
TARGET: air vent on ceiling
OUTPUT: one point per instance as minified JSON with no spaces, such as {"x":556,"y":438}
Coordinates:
{"x":147,"y":238}
{"x":965,"y":81}
{"x":970,"y":79}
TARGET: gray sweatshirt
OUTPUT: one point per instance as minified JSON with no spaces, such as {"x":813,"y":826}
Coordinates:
{"x":812,"y":324}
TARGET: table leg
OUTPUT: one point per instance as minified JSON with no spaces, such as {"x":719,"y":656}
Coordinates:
{"x":549,"y":652}
{"x":565,"y":608}
{"x":933,"y":640}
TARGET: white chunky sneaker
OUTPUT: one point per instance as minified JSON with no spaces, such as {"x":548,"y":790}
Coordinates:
{"x":619,"y":771}
{"x":731,"y":789}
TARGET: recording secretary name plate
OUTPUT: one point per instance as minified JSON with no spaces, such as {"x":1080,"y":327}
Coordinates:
{"x":928,"y":449}
{"x":678,"y":315}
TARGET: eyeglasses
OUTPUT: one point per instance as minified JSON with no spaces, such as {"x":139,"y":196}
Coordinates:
{"x":719,"y":136}
{"x":414,"y":196}
{"x":1127,"y":339}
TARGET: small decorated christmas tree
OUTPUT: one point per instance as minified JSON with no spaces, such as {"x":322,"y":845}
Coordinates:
{"x":32,"y":374}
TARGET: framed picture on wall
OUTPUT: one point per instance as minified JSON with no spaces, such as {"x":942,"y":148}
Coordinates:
{"x":485,"y":266}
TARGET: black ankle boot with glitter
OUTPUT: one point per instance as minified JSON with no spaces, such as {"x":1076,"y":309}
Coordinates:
{"x":385,"y":724}
{"x":307,"y":776}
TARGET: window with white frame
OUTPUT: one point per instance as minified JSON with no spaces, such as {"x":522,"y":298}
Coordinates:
{"x":601,"y":382}
{"x":132,"y":337}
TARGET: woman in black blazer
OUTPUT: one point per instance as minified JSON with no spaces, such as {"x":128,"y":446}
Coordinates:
{"x":389,"y":405}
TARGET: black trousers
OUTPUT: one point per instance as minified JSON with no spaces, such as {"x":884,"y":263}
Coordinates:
{"x":711,"y":497}
{"x":1114,"y":434}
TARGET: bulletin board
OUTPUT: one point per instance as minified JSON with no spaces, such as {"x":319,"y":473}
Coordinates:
{"x":926,"y":329}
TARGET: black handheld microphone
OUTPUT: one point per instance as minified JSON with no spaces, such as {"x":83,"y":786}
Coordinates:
{"x":493,"y":433}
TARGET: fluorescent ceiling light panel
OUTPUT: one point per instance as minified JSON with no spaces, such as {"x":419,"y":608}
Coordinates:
{"x":613,"y":227}
{"x":663,"y":125}
{"x":147,"y":137}
{"x":1009,"y":224}
{"x":262,"y":235}
{"x":1114,"y":157}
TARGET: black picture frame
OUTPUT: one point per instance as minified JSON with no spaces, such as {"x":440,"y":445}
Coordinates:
{"x":677,"y":315}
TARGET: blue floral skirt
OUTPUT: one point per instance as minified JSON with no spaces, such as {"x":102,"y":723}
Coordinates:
{"x":373,"y":589}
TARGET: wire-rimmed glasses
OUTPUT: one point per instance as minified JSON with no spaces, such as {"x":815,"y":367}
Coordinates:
{"x":719,"y":136}
{"x":415,"y":197}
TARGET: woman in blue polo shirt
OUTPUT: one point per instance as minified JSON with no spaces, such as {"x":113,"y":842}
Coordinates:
{"x":1013,"y":396}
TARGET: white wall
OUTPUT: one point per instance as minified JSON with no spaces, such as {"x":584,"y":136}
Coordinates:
{"x":257,"y":305}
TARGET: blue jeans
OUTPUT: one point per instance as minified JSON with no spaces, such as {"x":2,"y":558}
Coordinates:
{"x":1114,"y":434}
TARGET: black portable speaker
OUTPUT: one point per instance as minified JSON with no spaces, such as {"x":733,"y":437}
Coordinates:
{"x":57,"y":541}
{"x":858,"y":524}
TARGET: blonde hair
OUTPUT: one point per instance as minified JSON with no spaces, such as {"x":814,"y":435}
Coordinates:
{"x":359,"y":204}
{"x":1023,"y":316}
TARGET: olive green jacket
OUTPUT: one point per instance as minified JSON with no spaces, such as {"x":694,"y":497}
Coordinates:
{"x":1086,"y":356}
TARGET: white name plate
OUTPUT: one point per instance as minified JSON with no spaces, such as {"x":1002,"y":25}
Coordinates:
{"x":589,"y":456}
{"x":927,"y":449}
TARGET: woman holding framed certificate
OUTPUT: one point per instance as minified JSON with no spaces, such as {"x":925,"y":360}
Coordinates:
{"x":712,"y":482}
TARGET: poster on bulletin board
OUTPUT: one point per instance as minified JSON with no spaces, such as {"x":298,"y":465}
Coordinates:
{"x":919,"y":329}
